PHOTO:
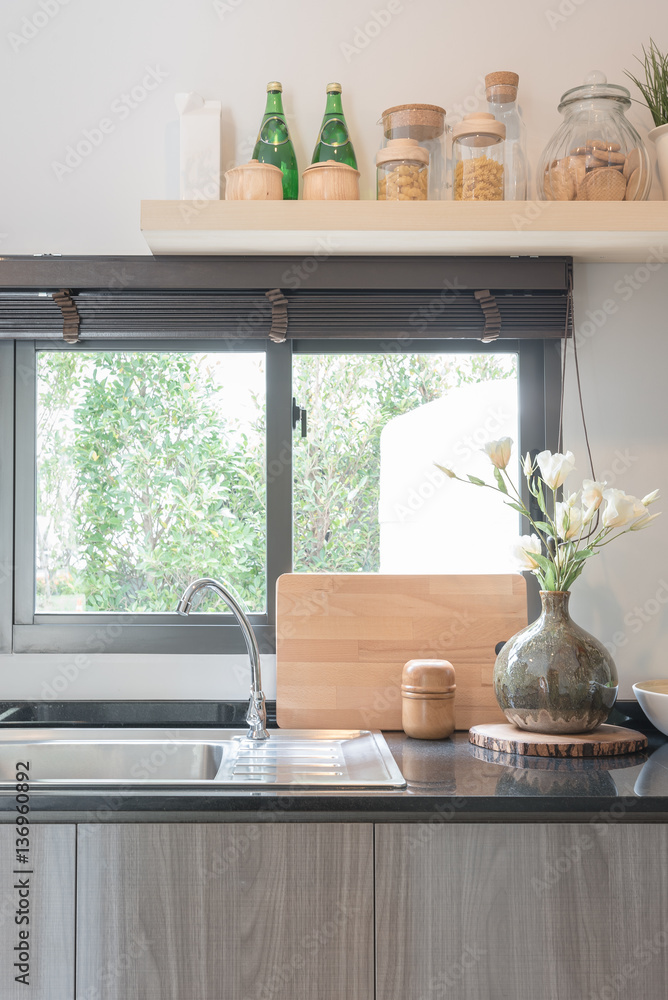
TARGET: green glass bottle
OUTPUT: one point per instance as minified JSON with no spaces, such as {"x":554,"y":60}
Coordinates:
{"x":274,"y":144}
{"x":334,"y":138}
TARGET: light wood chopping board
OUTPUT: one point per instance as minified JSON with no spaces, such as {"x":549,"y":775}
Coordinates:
{"x":342,"y":641}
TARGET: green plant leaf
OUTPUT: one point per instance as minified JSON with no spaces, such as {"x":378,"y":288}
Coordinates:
{"x":517,"y":507}
{"x":500,"y":482}
{"x":476,"y":481}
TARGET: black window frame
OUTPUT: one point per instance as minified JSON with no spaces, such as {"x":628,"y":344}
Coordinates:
{"x":32,"y":632}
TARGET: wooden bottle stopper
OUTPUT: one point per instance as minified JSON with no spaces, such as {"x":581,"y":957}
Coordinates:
{"x":428,"y":699}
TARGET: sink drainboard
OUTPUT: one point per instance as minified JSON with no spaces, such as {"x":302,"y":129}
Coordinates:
{"x":293,"y":762}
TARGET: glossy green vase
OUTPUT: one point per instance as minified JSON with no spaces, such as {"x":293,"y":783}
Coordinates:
{"x":553,"y":677}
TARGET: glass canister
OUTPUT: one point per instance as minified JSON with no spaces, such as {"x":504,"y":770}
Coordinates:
{"x":477,"y":153}
{"x":402,"y":169}
{"x":595,"y":154}
{"x":424,"y":123}
{"x":501,"y":91}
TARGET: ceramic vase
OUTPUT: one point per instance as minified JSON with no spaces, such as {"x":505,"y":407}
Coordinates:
{"x":659,"y":137}
{"x":553,"y":677}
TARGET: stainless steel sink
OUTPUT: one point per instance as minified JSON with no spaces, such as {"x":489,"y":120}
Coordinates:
{"x":198,"y":758}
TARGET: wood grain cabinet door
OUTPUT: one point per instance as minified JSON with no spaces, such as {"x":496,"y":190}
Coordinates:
{"x":41,"y":890}
{"x":522,"y":911}
{"x":278,"y":911}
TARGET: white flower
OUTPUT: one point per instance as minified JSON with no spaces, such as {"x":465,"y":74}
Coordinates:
{"x":644,"y":521}
{"x":650,"y":498}
{"x":592,"y":493}
{"x":555,"y":468}
{"x":620,"y":508}
{"x":522,"y":550}
{"x":499,"y":452}
{"x":568,"y":519}
{"x":527,"y":466}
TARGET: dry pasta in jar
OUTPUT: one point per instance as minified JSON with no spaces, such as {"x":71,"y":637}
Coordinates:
{"x":402,"y":171}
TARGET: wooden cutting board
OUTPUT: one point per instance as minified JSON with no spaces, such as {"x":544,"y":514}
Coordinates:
{"x":342,"y":641}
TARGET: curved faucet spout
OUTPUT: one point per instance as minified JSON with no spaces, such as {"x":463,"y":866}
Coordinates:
{"x":256,"y":716}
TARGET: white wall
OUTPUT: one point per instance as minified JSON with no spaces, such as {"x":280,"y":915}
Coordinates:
{"x":76,"y":68}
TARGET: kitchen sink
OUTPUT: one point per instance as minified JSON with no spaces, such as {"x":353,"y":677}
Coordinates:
{"x":197,"y":758}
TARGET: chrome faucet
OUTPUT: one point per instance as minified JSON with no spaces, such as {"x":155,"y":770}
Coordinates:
{"x":256,"y":716}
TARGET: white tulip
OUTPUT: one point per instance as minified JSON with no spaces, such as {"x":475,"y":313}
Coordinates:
{"x":555,"y":468}
{"x":569,"y":519}
{"x":499,"y":452}
{"x":620,"y":508}
{"x":522,"y":550}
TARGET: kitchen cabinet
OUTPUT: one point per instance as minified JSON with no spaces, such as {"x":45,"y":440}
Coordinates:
{"x":228,"y":911}
{"x":520,"y":911}
{"x":41,"y":890}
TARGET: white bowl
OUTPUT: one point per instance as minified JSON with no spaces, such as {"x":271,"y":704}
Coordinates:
{"x":653,"y":699}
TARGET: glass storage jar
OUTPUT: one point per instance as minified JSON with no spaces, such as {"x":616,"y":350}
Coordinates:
{"x":595,"y":154}
{"x":402,"y":169}
{"x":424,"y":123}
{"x":477,"y":154}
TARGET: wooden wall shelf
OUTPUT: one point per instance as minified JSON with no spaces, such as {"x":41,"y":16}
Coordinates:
{"x":588,"y":231}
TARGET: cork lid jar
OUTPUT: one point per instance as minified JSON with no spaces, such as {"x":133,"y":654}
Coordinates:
{"x":424,"y":124}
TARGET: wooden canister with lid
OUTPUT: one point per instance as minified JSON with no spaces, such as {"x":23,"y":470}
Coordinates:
{"x":428,"y":699}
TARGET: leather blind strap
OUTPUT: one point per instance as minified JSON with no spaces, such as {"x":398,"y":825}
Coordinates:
{"x":279,"y":315}
{"x":489,"y":306}
{"x":71,"y":319}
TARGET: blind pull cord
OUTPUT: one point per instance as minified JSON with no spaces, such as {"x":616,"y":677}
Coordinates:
{"x":279,"y":315}
{"x":492,"y":316}
{"x":71,"y":318}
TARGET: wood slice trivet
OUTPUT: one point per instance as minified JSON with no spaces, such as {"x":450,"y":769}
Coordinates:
{"x":606,"y":741}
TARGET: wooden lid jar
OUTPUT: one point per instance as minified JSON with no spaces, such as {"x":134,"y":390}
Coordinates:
{"x":428,"y":699}
{"x":425,"y":125}
{"x":330,"y":180}
{"x":402,"y":169}
{"x":254,"y":181}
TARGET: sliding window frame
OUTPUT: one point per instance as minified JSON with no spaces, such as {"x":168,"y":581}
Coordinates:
{"x":147,"y":632}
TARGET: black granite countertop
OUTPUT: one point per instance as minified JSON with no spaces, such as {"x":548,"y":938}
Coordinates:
{"x":447,"y":781}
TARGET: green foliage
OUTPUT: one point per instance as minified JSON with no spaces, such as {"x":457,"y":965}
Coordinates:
{"x":654,"y":88}
{"x":146,"y":482}
{"x":350,"y":399}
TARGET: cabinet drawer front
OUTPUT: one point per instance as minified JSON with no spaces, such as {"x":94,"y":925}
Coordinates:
{"x":225,"y":912}
{"x":46,"y":885}
{"x":522,"y":911}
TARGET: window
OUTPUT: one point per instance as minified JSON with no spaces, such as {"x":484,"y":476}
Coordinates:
{"x":150,"y":470}
{"x":141,"y":465}
{"x":367,"y":494}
